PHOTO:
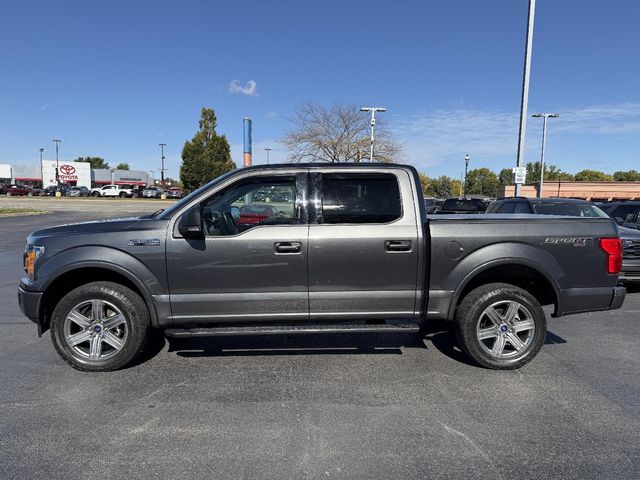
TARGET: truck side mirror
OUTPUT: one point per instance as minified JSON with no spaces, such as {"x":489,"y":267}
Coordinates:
{"x":190,"y":225}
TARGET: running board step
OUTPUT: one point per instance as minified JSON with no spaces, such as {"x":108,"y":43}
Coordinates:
{"x":292,"y":329}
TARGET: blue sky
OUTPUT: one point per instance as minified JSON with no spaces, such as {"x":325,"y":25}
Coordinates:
{"x":114,"y":78}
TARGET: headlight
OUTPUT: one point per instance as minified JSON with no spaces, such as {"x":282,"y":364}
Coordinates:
{"x":31,"y":254}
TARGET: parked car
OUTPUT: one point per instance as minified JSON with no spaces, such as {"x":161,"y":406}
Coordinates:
{"x":430,"y":205}
{"x":52,"y":189}
{"x":78,"y":192}
{"x":365,"y":254}
{"x":546,"y":206}
{"x":18,"y":190}
{"x":624,"y":213}
{"x":121,"y":191}
{"x":6,"y":187}
{"x":251,"y":215}
{"x":174,"y":192}
{"x":462,"y":206}
{"x":630,"y":255}
{"x":152,"y":192}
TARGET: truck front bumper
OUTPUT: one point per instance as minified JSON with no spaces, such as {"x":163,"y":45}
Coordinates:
{"x":30,"y":304}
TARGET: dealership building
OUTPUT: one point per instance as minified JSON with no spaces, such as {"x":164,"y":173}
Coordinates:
{"x":594,"y":191}
{"x":71,"y":173}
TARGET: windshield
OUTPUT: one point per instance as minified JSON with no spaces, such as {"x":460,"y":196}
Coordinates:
{"x":569,"y":209}
{"x":185,"y":200}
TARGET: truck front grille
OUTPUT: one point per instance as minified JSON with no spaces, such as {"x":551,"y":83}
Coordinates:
{"x":631,"y":249}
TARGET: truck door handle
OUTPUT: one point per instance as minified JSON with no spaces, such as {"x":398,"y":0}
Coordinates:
{"x":397,"y":245}
{"x":288,"y":247}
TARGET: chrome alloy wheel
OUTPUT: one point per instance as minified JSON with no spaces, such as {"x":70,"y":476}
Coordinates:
{"x":505,"y":329}
{"x":95,"y":329}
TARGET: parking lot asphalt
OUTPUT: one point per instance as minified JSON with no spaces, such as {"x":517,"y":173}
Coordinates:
{"x":351,"y":406}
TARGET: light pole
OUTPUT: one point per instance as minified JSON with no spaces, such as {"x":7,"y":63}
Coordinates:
{"x":56,"y":141}
{"x":41,"y":175}
{"x":544,"y":135}
{"x":162,"y":145}
{"x":267,"y":150}
{"x":466,"y":169}
{"x":525,"y":90}
{"x":373,"y":111}
{"x":559,"y":177}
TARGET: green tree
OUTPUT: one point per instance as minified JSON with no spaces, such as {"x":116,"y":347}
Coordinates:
{"x":441,"y":187}
{"x":592,"y":176}
{"x":424,"y":181}
{"x":482,"y":181}
{"x":122,"y":166}
{"x":628,"y":176}
{"x":505,"y":177}
{"x":207,"y":155}
{"x":95,"y":162}
{"x":551,"y":172}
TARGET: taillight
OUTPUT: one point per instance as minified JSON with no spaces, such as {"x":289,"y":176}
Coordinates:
{"x":613,"y":248}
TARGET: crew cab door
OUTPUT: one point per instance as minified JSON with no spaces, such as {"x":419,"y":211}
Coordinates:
{"x":252,"y":262}
{"x":363,"y":245}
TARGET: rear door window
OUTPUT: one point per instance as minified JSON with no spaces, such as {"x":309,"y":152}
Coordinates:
{"x":360,"y":198}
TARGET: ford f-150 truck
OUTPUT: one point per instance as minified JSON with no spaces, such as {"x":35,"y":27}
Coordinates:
{"x":348,"y":248}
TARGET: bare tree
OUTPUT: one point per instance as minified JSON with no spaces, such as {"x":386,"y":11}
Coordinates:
{"x":339,"y":133}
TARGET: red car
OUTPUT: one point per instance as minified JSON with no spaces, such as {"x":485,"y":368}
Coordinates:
{"x":174,"y":192}
{"x":16,"y":190}
{"x":254,"y":214}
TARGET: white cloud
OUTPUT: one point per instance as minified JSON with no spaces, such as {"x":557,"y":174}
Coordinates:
{"x":250,"y":88}
{"x":436,"y":138}
{"x":602,"y":119}
{"x":42,"y":107}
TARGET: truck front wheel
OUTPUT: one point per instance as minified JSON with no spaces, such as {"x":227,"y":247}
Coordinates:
{"x":500,"y":326}
{"x":100,"y":326}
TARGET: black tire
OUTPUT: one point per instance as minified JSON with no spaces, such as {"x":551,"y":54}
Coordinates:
{"x":476,"y":318}
{"x":95,"y":194}
{"x":134,"y":330}
{"x":122,"y":194}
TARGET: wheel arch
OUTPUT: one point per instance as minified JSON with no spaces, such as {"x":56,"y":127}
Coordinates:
{"x":88,"y":272}
{"x":520,"y":272}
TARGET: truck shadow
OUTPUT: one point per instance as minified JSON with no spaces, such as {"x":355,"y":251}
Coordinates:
{"x":437,"y":334}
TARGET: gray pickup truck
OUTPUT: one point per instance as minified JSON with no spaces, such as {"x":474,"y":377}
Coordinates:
{"x":314,"y":249}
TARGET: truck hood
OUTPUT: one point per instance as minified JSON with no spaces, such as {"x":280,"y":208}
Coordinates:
{"x":97,"y":226}
{"x":629,"y":233}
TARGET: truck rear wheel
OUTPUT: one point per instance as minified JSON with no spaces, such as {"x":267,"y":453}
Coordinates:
{"x":500,"y":326}
{"x":100,"y":326}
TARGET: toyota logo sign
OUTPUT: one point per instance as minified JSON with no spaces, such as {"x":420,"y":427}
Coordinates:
{"x":68,"y":169}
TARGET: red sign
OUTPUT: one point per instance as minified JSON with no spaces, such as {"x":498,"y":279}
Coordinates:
{"x":68,"y":169}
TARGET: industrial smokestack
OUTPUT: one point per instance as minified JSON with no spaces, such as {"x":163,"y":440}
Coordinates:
{"x":247,"y":142}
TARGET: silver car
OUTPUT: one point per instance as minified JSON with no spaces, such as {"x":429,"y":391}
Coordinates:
{"x":78,"y":192}
{"x":152,"y":192}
